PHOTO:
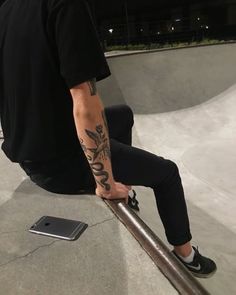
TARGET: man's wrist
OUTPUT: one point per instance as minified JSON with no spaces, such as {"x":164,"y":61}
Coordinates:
{"x":105,"y":192}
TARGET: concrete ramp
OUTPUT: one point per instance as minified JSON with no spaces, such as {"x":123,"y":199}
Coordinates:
{"x":169,"y":80}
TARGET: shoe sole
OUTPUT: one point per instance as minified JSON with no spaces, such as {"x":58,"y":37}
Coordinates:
{"x":202,"y":276}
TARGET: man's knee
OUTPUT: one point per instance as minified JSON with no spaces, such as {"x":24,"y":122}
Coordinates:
{"x":168,"y":174}
{"x":172,"y":166}
{"x":174,"y":175}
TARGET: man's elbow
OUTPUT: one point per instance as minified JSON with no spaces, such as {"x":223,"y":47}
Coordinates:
{"x":85,"y":103}
{"x":89,"y":88}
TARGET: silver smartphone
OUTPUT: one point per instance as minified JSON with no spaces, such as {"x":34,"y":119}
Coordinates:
{"x":60,"y":228}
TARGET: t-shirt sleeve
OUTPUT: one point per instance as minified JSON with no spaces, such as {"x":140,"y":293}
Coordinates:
{"x":81,"y":56}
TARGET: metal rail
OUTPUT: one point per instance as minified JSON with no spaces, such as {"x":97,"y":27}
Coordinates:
{"x":183,"y":281}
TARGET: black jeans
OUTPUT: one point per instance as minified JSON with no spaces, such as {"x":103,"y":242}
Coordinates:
{"x":130,"y":165}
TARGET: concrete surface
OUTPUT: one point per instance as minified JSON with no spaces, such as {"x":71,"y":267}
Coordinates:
{"x":184,"y":103}
{"x":106,"y":259}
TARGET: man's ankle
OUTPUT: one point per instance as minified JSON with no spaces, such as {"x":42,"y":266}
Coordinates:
{"x":183,"y":250}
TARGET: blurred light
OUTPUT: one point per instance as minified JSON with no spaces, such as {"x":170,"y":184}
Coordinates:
{"x":178,"y":20}
{"x":207,"y":27}
{"x":198,"y":18}
{"x":111,"y":31}
{"x":141,"y":30}
{"x":172,"y":28}
{"x":158,"y":33}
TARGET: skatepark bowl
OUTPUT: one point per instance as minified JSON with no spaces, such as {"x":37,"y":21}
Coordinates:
{"x":184,"y":103}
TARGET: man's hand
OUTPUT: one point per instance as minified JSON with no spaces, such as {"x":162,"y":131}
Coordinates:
{"x":118,"y":191}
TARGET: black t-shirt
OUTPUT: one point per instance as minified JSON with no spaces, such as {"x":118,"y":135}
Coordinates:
{"x":46,"y":48}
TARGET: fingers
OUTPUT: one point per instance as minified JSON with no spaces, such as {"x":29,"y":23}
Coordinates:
{"x":120,"y":191}
{"x":120,"y":195}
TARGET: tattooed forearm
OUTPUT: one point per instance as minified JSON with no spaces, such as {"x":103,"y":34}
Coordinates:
{"x":85,"y":150}
{"x":98,"y":153}
{"x":83,"y":145}
{"x":92,"y":86}
{"x":102,"y":149}
{"x":98,"y":170}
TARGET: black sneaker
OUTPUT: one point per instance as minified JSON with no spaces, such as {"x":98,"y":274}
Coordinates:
{"x":201,"y":267}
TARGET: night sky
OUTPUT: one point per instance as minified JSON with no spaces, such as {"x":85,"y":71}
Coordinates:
{"x":116,"y":6}
{"x":103,"y":7}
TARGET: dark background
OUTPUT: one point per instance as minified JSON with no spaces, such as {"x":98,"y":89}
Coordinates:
{"x":161,"y":22}
{"x":139,"y":21}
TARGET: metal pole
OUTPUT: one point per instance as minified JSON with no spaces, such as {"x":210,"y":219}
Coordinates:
{"x":169,"y":265}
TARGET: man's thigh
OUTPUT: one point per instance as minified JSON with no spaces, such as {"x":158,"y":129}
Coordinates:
{"x":134,"y":166}
{"x":120,"y":120}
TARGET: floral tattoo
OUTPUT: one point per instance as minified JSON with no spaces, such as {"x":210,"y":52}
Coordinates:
{"x":100,"y":152}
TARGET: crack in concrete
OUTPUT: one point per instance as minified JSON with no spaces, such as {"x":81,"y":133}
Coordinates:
{"x":101,"y":222}
{"x":29,"y":253}
{"x":45,"y":245}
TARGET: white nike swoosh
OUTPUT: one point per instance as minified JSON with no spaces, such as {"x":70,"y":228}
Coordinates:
{"x":195,"y":267}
